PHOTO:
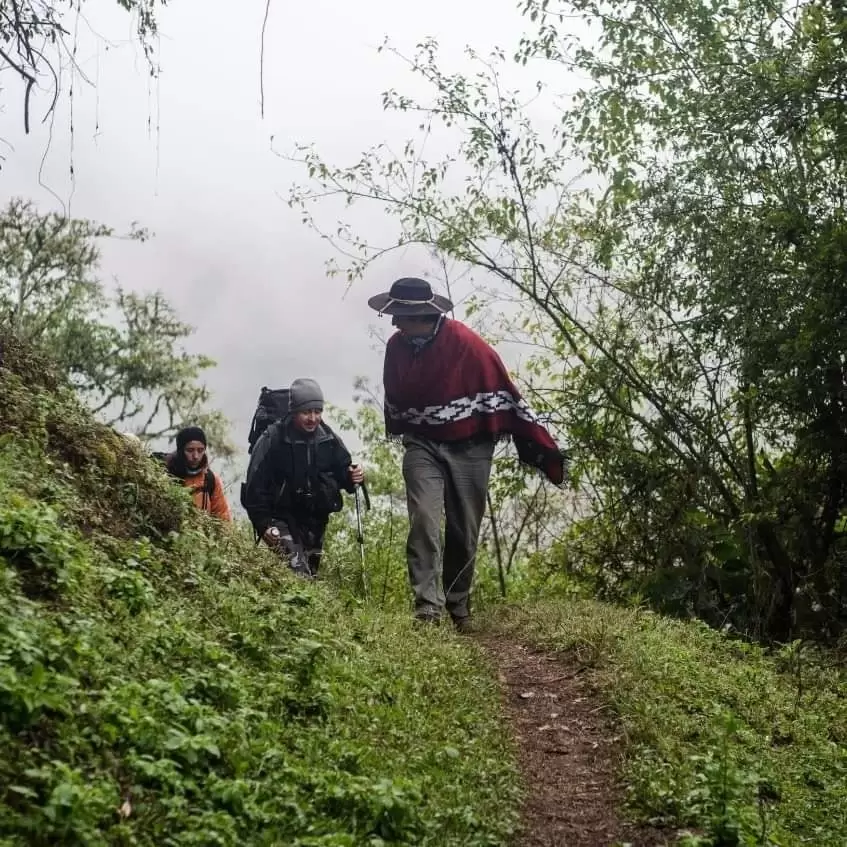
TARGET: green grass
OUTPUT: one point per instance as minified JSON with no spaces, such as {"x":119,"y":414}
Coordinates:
{"x":165,"y":682}
{"x":741,"y":746}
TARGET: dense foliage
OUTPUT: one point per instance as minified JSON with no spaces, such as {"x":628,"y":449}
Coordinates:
{"x":677,"y":245}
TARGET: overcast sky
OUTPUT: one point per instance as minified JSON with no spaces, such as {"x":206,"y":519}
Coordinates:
{"x":230,"y":255}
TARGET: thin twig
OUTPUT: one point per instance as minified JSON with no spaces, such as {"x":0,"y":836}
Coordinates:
{"x":262,"y":60}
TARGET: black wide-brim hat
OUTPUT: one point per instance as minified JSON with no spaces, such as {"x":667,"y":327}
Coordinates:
{"x":409,"y":297}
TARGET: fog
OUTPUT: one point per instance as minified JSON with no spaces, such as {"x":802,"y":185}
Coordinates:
{"x":190,"y":157}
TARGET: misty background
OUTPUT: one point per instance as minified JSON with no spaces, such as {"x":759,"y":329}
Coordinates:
{"x":191,"y":157}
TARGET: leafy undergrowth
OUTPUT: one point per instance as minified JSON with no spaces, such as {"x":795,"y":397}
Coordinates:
{"x":163,"y":682}
{"x":739,"y":746}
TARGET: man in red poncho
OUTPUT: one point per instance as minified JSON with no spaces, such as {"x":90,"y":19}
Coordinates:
{"x":449,"y":398}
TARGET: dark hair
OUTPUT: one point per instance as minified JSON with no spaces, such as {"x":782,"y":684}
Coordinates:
{"x":176,"y":464}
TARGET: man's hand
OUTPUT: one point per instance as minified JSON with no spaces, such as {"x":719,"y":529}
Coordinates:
{"x":357,"y":474}
{"x":272,"y":536}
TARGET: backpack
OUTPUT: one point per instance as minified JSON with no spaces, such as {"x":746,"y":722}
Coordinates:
{"x":209,"y":482}
{"x":272,"y":406}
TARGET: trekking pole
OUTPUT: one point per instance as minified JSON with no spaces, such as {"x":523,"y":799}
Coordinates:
{"x":360,"y":535}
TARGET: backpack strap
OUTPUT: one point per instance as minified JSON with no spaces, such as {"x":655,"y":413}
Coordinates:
{"x":208,"y":489}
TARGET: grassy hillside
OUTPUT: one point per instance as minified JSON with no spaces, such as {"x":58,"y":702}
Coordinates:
{"x":164,"y":682}
{"x":741,"y":746}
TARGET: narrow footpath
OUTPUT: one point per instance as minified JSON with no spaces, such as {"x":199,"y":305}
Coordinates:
{"x":569,"y":752}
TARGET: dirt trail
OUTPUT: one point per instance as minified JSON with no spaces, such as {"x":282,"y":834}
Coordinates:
{"x":568,"y":750}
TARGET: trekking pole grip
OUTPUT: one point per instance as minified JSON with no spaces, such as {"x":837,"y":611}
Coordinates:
{"x":367,"y":496}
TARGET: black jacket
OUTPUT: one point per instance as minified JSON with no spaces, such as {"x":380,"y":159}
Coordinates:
{"x":295,"y":474}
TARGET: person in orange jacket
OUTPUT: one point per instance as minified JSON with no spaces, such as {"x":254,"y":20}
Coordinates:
{"x":190,"y":463}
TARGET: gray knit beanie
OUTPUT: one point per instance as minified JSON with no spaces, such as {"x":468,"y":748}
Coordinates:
{"x":305,"y":394}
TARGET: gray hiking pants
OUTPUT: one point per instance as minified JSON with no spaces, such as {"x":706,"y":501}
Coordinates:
{"x":448,"y":479}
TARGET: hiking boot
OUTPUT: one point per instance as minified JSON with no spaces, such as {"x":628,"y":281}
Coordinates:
{"x":431,"y":618}
{"x":299,"y":567}
{"x":462,"y":625}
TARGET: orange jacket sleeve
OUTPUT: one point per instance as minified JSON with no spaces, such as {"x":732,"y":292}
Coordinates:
{"x":219,"y":507}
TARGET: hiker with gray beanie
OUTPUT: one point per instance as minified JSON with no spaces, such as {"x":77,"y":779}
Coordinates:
{"x":297,"y":472}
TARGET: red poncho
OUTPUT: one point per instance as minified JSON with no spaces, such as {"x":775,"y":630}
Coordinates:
{"x":457,"y":387}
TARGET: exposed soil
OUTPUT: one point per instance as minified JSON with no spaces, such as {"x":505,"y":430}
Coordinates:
{"x":569,"y":753}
